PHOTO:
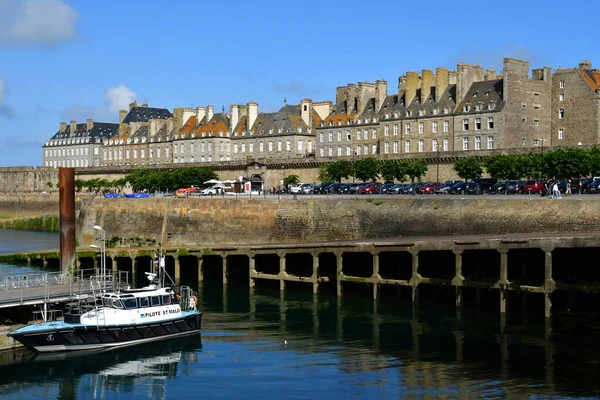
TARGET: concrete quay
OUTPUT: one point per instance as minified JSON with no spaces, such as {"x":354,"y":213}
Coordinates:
{"x":540,"y":266}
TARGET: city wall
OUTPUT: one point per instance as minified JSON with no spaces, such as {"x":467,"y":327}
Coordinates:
{"x":230,"y":222}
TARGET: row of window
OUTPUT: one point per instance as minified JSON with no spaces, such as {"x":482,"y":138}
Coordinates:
{"x":79,"y":162}
{"x":364,"y":134}
{"x":69,"y":152}
{"x":202,"y":159}
{"x":261,"y":146}
{"x":393,"y":147}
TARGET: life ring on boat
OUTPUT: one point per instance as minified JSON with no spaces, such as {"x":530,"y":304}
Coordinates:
{"x":195,"y":299}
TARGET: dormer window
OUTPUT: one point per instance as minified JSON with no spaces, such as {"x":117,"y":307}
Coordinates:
{"x":280,"y":130}
{"x":322,"y":124}
{"x":386,"y":116}
{"x":491,"y":106}
{"x":436,"y":111}
{"x":374,"y":120}
{"x":479,"y":107}
{"x":395,"y":115}
{"x":330,"y":123}
{"x":408,"y":113}
{"x":466,"y":108}
{"x":340,"y":122}
{"x":420,"y":113}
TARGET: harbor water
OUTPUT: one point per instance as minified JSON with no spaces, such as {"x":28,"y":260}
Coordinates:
{"x":295,"y":345}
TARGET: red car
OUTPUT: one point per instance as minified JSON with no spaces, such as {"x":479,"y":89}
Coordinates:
{"x":429,"y":188}
{"x":370,"y":188}
{"x":535,"y":186}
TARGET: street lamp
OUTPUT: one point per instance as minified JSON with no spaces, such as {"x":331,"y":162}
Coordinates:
{"x":541,"y":155}
{"x":102,"y":254}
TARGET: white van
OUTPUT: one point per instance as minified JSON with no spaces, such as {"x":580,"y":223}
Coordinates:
{"x":297,"y":188}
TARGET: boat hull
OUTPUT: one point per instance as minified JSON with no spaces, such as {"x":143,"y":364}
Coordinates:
{"x":76,"y":337}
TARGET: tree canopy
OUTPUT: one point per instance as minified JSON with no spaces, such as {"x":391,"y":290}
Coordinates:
{"x":336,"y":171}
{"x":367,"y":169}
{"x":468,"y":168}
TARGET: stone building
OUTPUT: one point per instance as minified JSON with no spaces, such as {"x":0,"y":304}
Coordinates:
{"x":138,"y":128}
{"x":77,"y":145}
{"x":575,"y":109}
{"x":432,"y":112}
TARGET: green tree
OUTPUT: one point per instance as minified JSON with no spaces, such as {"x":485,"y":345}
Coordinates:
{"x":336,"y":171}
{"x":565,"y":163}
{"x":367,"y":169}
{"x":402,"y":170}
{"x":594,"y":161}
{"x":468,"y":168}
{"x":291,"y":180}
{"x":416,"y":169}
{"x":501,"y":166}
{"x":389,"y":170}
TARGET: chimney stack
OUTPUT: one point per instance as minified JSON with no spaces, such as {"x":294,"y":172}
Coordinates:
{"x":63,"y":127}
{"x":306,"y":111}
{"x":210,"y":113}
{"x":200,"y":113}
{"x":467,"y":74}
{"x":132,"y":104}
{"x":234,"y":112}
{"x":73,"y":127}
{"x":426,"y":83}
{"x":412,"y":83}
{"x":122,"y":115}
{"x":441,"y":82}
{"x":90,"y":124}
{"x":586,"y":64}
{"x":401,"y":83}
{"x":490,"y":74}
{"x":380,"y":93}
{"x":252,"y":114}
{"x":145,"y":105}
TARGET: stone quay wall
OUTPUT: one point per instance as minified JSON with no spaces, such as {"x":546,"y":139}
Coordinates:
{"x":230,"y":222}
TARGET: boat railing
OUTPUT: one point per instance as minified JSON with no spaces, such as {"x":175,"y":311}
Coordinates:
{"x":47,"y":315}
{"x":188,"y":298}
{"x":36,"y":280}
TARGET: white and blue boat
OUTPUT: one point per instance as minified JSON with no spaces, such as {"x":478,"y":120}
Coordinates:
{"x":119,"y":318}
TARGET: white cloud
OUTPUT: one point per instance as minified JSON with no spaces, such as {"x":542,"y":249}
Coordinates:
{"x":118,"y":98}
{"x":37,"y":22}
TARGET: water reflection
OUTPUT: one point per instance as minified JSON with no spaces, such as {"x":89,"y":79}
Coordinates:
{"x":116,"y":370}
{"x":298,"y":345}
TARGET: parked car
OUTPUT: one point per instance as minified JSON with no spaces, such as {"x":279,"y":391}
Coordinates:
{"x":594,"y":187}
{"x":535,"y":186}
{"x":334,"y":188}
{"x":445,"y":187}
{"x":307,"y":189}
{"x":459,"y":188}
{"x":345,"y":189}
{"x":412,"y":188}
{"x":397,"y":188}
{"x":485,"y":184}
{"x":429,"y":188}
{"x":499,"y":187}
{"x":355,"y":188}
{"x":322,"y":188}
{"x":299,"y":187}
{"x":370,"y":188}
{"x":580,"y":185}
{"x":515,"y":186}
{"x":386,"y":187}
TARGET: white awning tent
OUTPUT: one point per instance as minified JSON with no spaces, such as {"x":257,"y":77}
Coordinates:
{"x":212,"y":181}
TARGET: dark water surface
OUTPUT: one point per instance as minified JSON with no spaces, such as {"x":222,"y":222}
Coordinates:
{"x":14,"y":241}
{"x":293,"y":345}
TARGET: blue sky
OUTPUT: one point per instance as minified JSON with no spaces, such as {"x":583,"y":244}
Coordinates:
{"x":74,"y":59}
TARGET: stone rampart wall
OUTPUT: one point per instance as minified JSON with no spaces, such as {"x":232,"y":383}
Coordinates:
{"x":228,"y":222}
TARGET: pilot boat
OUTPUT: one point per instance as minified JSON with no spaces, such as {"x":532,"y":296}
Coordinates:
{"x":120,"y":317}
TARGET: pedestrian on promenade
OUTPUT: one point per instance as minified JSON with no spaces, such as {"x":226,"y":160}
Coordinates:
{"x":555,"y":191}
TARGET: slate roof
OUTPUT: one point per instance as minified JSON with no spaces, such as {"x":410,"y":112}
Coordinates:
{"x":186,"y":129}
{"x":343,"y":111}
{"x":285,"y":121}
{"x":100,"y":130}
{"x":145,"y":114}
{"x":484,"y":93}
{"x":369,"y":110}
{"x":142,"y":132}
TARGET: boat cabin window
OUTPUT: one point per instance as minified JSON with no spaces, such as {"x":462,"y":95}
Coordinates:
{"x":106,"y":302}
{"x":117,"y":303}
{"x":144,"y":302}
{"x":155,"y":300}
{"x":166,"y":299}
{"x":130,"y":303}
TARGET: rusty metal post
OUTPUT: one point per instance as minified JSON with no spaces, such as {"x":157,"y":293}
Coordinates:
{"x":66,"y":184}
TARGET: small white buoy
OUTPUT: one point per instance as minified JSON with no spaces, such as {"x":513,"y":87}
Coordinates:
{"x":285,"y":342}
